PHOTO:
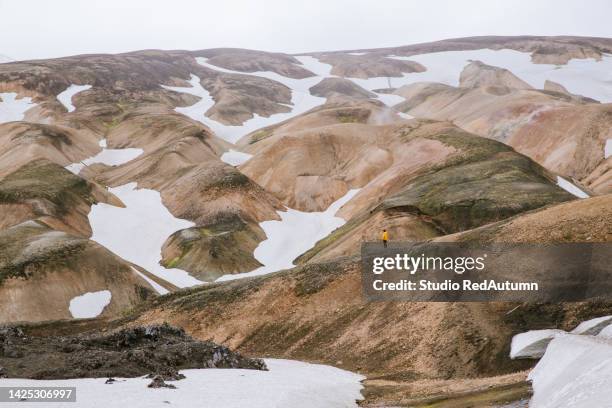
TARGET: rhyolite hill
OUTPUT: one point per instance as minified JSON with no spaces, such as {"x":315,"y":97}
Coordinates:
{"x":481,"y":158}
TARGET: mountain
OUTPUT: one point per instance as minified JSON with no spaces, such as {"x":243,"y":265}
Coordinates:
{"x":228,"y":192}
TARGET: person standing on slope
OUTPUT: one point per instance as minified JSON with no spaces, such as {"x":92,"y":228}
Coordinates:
{"x":385,"y":237}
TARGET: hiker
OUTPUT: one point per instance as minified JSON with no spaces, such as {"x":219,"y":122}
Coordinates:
{"x":385,"y":237}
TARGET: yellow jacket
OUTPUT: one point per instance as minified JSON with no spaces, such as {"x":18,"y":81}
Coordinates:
{"x":385,"y":236}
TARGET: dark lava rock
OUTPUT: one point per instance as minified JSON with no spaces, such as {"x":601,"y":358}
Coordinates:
{"x":158,"y":382}
{"x":159,"y":350}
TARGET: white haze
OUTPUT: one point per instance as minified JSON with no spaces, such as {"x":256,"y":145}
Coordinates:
{"x":43,"y":29}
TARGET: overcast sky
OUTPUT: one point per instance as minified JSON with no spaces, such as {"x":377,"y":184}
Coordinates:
{"x":53,"y":28}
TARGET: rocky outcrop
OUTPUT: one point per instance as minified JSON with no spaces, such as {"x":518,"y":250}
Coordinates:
{"x":157,"y":350}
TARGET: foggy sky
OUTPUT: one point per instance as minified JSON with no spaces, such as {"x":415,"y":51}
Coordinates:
{"x":53,"y":28}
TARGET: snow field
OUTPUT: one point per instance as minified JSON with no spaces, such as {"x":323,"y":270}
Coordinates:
{"x":137,"y":232}
{"x":294,"y":234}
{"x":287,"y":384}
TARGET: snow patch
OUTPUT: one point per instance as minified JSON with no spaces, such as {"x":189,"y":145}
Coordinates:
{"x":294,"y":234}
{"x":571,"y":188}
{"x":110,"y":157}
{"x":608,"y":149}
{"x":90,"y":304}
{"x":137,"y":232}
{"x":576,"y":371}
{"x":532,"y":344}
{"x":13,"y":108}
{"x":235,"y":158}
{"x":287,"y":384}
{"x":593,"y":326}
{"x":65,"y":97}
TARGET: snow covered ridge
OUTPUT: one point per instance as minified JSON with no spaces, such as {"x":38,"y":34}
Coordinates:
{"x":287,"y":384}
{"x":65,"y":97}
{"x":13,"y":108}
{"x":283,"y":245}
{"x":90,"y":304}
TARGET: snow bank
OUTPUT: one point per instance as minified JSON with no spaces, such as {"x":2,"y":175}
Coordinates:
{"x":608,"y":149}
{"x":90,"y":304}
{"x":571,"y":188}
{"x":532,"y":344}
{"x":593,"y":326}
{"x":576,"y":371}
{"x":137,"y":232}
{"x":606,"y":332}
{"x":294,"y":234}
{"x":587,"y":77}
{"x":288,"y":384}
{"x":65,"y":97}
{"x":12,"y":108}
{"x":235,"y":158}
{"x":110,"y":157}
